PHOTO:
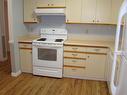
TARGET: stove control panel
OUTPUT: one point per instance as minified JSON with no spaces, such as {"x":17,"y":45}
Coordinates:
{"x":47,"y":44}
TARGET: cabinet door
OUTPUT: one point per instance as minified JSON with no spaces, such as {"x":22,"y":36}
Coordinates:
{"x":88,"y":11}
{"x":95,"y":66}
{"x":73,"y":10}
{"x":103,"y":12}
{"x":26,"y":60}
{"x":115,"y":10}
{"x":51,"y":3}
{"x":29,"y":6}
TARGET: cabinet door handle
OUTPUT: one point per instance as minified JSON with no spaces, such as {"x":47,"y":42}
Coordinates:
{"x":32,"y":15}
{"x":52,"y":4}
{"x":93,"y":20}
{"x":48,"y":4}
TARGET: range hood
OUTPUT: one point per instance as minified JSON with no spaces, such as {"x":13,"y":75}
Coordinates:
{"x":49,"y":11}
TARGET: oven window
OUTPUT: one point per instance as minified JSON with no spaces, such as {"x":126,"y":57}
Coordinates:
{"x":47,"y":54}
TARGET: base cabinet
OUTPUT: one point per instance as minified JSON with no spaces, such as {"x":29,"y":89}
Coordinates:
{"x":26,"y":58}
{"x":95,"y":66}
{"x":90,"y":63}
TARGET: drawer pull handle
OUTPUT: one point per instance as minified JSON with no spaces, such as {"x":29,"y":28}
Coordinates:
{"x":97,"y":49}
{"x":73,"y":69}
{"x":75,"y":54}
{"x":74,"y":48}
{"x":74,"y":61}
{"x":24,"y":45}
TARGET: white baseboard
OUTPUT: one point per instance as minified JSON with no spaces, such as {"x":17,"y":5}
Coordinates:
{"x":16,"y":74}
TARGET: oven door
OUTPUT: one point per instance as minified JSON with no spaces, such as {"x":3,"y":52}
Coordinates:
{"x":48,"y":56}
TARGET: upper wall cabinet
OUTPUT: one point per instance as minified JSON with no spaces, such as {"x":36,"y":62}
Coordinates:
{"x":88,"y":11}
{"x":115,"y":10}
{"x":104,"y":10}
{"x":29,"y":16}
{"x":96,"y":11}
{"x":51,"y":3}
{"x":73,"y":11}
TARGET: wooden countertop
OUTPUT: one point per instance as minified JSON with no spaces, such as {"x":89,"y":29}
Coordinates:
{"x":102,"y":44}
{"x":27,"y":38}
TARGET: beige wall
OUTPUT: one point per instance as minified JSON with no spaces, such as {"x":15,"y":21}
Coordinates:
{"x":16,"y":29}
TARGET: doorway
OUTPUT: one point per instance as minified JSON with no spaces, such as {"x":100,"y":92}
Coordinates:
{"x":4,"y":38}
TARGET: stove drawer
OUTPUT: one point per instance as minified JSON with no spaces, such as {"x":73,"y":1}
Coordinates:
{"x":25,"y":45}
{"x":73,"y":71}
{"x":74,"y":62}
{"x":74,"y":48}
{"x":74,"y":55}
{"x":44,"y":71}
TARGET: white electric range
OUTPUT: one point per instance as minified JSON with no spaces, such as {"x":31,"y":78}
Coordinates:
{"x":48,"y":52}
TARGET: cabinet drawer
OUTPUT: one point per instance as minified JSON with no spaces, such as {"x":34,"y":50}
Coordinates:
{"x":74,"y":62}
{"x":73,"y":71}
{"x":75,"y":55}
{"x":75,"y":48}
{"x":97,"y":50}
{"x":25,"y":45}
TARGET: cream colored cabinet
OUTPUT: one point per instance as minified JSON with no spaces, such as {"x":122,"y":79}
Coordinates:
{"x":29,"y":16}
{"x":109,"y":67}
{"x":95,"y":66}
{"x":26,"y":57}
{"x":85,"y":62}
{"x":73,"y":11}
{"x":115,"y":10}
{"x":96,"y":11}
{"x":51,"y":3}
{"x":103,"y":11}
{"x":89,"y":11}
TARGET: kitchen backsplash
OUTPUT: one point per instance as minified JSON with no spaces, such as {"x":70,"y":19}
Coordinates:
{"x":75,"y":31}
{"x":91,"y":32}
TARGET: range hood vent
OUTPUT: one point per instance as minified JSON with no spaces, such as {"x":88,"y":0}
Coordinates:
{"x":49,"y":11}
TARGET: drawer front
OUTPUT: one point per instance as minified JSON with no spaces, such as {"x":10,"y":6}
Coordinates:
{"x":72,"y":71}
{"x":25,"y":45}
{"x":74,"y":62}
{"x":97,"y":50}
{"x":75,"y":48}
{"x":75,"y":55}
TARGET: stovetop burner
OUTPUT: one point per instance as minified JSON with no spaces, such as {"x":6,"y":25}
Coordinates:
{"x":58,"y":40}
{"x":42,"y":39}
